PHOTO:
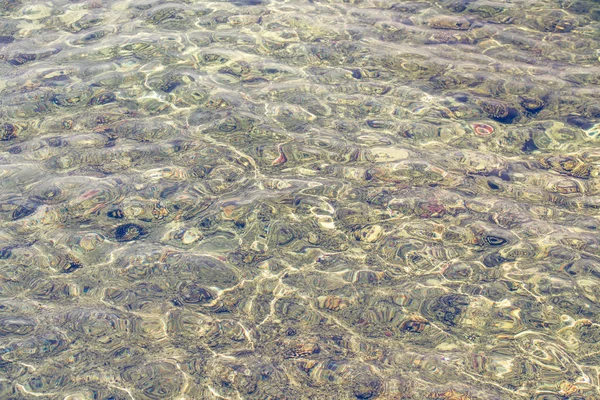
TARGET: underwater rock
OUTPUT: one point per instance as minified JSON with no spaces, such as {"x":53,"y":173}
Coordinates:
{"x":449,"y":22}
{"x":500,"y":111}
{"x":128,"y":232}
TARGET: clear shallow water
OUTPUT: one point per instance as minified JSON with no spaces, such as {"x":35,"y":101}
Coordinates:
{"x":299,"y":200}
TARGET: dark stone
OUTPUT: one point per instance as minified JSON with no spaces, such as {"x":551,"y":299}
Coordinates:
{"x":579,"y":7}
{"x":500,"y":111}
{"x":72,"y":265}
{"x":493,"y":260}
{"x":7,"y":132}
{"x":492,"y":185}
{"x":456,"y":6}
{"x":495,"y":240}
{"x":509,"y":118}
{"x":22,"y":212}
{"x":128,"y":232}
{"x":503,"y":174}
{"x":414,"y":326}
{"x":176,"y":302}
{"x":579,"y":122}
{"x":365,"y":388}
{"x":102,"y":98}
{"x":117,"y":214}
{"x":194,"y":294}
{"x":532,"y":105}
{"x":589,"y":333}
{"x":5,"y":253}
{"x":166,"y":192}
{"x":169,"y":86}
{"x":448,"y":309}
{"x":55,"y":142}
{"x":50,"y":196}
{"x":206,"y":223}
{"x":21,"y":59}
{"x":284,"y":236}
{"x":248,"y":2}
{"x":529,"y":146}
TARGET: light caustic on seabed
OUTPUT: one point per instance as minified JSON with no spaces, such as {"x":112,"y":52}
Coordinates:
{"x":299,"y":200}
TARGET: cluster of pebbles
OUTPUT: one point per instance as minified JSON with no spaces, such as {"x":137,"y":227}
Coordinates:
{"x":323,"y":199}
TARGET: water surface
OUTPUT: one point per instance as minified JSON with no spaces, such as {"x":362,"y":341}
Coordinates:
{"x":263,"y":199}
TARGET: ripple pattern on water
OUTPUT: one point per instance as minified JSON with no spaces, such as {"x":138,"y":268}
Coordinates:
{"x":324,"y":199}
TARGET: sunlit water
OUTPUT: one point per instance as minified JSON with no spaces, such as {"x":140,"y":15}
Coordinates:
{"x":299,"y":200}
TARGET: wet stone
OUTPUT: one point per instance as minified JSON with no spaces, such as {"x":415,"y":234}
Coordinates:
{"x":22,"y":211}
{"x":102,"y":98}
{"x":49,"y":195}
{"x":495,"y":240}
{"x":16,"y":326}
{"x":499,"y":111}
{"x":7,"y":132}
{"x":449,"y":309}
{"x":128,"y":232}
{"x":589,"y":333}
{"x":493,"y":185}
{"x":456,"y":6}
{"x":449,"y":22}
{"x":493,"y":260}
{"x":5,"y":253}
{"x":580,"y":122}
{"x":193,"y":294}
{"x":116,"y":214}
{"x":71,"y":265}
{"x":22,"y":58}
{"x":248,"y":2}
{"x":567,"y":165}
{"x":366,"y":388}
{"x":414,"y":324}
{"x":532,"y":104}
{"x":529,"y":146}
